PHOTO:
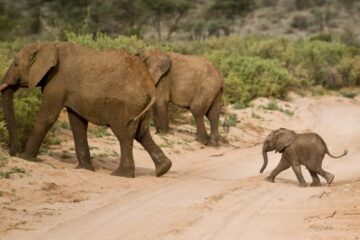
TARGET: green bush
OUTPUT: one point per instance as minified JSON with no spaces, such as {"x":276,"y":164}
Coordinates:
{"x":26,"y":104}
{"x":253,"y":66}
{"x":103,"y":42}
{"x":251,"y":77}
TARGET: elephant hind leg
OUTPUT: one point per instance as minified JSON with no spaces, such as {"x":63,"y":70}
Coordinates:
{"x":143,"y":136}
{"x":315,"y":178}
{"x":213,"y":115}
{"x":329,"y":177}
{"x":198,"y":111}
{"x":125,"y":135}
{"x":79,"y":127}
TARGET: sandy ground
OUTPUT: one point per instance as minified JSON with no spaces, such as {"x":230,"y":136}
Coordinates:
{"x":210,"y":193}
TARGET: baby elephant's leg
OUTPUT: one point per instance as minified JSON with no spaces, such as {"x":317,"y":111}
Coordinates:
{"x":315,"y":178}
{"x":297,"y":169}
{"x":283,"y":165}
{"x":328,"y":176}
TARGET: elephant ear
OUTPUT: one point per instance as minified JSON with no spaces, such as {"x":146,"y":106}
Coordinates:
{"x":158,"y":64}
{"x":284,"y":138}
{"x":41,"y":61}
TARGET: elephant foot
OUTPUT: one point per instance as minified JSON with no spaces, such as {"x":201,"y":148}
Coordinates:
{"x":89,"y":167}
{"x":213,"y":142}
{"x":270,"y":179}
{"x":124,"y":172}
{"x":202,"y":139}
{"x":315,"y":184}
{"x":329,"y":178}
{"x":28,"y":157}
{"x":304,"y":184}
{"x":163,"y":168}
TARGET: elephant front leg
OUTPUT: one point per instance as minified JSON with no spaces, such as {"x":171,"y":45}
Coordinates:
{"x":283,"y":165}
{"x":297,"y":169}
{"x":50,"y":108}
{"x":79,"y":127}
{"x":161,"y":116}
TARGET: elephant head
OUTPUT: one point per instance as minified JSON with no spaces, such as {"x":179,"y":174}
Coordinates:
{"x":30,"y":65}
{"x":277,"y":140}
{"x":158,"y":63}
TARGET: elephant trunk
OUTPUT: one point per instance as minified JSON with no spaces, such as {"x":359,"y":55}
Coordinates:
{"x":7,"y":97}
{"x":265,"y":157}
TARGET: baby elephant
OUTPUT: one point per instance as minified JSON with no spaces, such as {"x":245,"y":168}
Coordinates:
{"x":308,"y":149}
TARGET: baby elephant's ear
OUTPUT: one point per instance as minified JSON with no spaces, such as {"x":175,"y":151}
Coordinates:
{"x":284,"y":138}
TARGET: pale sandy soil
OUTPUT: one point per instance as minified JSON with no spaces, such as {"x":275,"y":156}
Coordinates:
{"x":210,"y":193}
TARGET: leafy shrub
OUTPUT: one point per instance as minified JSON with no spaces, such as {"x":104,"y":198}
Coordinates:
{"x":253,"y":66}
{"x":4,"y":159}
{"x":274,"y":106}
{"x":321,"y":60}
{"x":102,"y":42}
{"x":349,"y":93}
{"x":251,"y":77}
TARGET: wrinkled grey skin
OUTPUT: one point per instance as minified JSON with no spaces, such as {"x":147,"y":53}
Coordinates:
{"x":108,"y":88}
{"x":190,"y":82}
{"x":307,"y":149}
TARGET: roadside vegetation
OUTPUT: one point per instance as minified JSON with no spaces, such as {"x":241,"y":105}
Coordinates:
{"x":253,"y":66}
{"x":316,"y":50}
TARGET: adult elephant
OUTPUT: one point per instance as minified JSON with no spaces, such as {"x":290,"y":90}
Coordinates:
{"x":187,"y":81}
{"x":109,"y":88}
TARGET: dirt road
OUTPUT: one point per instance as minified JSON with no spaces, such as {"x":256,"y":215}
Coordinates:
{"x":209,"y":193}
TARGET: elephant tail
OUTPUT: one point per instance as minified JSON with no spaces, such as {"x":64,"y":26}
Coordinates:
{"x":152,"y":101}
{"x":328,"y":153}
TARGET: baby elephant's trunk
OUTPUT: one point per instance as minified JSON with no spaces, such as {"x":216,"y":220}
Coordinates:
{"x":265,"y":157}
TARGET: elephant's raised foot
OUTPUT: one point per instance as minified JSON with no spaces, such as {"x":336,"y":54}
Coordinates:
{"x":303,"y":184}
{"x":315,"y":184}
{"x":122,"y":172}
{"x":269,"y":179}
{"x":89,"y":167}
{"x":329,"y":178}
{"x":163,"y":168}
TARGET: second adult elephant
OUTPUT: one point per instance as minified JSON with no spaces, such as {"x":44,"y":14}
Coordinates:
{"x":187,"y":81}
